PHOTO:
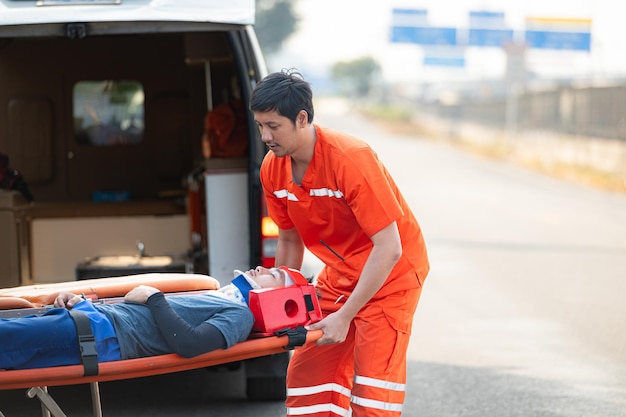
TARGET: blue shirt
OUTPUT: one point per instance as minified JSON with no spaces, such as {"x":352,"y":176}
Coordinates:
{"x":139,"y":336}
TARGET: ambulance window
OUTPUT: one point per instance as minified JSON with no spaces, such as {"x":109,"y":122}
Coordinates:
{"x":108,"y":112}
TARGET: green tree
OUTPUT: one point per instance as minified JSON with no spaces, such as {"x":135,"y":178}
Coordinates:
{"x":275,"y":21}
{"x":356,"y":77}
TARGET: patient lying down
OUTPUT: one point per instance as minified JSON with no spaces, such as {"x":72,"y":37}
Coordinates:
{"x":145,"y":324}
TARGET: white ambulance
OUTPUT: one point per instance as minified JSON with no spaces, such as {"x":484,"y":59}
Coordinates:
{"x":126,"y":124}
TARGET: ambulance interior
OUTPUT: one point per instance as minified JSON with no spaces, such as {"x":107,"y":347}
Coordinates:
{"x":106,"y":132}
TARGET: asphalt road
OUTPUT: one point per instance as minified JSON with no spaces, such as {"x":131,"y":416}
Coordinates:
{"x":523,"y":313}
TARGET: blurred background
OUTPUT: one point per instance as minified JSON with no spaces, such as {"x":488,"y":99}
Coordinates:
{"x":471,"y":103}
{"x":539,"y":83}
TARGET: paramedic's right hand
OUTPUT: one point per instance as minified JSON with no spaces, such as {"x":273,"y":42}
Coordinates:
{"x":67,"y":300}
{"x":335,"y":327}
{"x":140,"y":294}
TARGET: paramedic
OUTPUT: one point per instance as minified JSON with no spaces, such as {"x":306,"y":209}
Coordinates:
{"x":145,"y":324}
{"x":329,"y":192}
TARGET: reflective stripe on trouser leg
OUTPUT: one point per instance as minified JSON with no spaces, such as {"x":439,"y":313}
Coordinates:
{"x":319,"y":379}
{"x":381,"y":342}
{"x":393,"y":394}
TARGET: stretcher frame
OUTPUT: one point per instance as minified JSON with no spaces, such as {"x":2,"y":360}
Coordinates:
{"x":40,"y":297}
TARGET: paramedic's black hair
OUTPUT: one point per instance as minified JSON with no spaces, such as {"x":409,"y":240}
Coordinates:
{"x":285,"y":92}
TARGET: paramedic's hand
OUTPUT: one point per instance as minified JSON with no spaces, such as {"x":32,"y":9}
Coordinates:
{"x":140,"y":294}
{"x":334,"y":326}
{"x":67,"y":300}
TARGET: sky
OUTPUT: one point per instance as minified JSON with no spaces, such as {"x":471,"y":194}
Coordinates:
{"x":341,"y":30}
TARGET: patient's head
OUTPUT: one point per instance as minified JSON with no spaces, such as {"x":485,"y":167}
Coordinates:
{"x":261,"y":277}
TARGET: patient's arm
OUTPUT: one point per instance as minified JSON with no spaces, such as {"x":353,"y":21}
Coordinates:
{"x":182,"y":338}
{"x":140,"y":294}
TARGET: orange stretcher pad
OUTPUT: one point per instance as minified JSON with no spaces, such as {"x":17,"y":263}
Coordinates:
{"x":260,"y":343}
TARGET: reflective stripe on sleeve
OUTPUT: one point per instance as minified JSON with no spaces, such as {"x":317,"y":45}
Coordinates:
{"x":325,"y":192}
{"x":285,"y":194}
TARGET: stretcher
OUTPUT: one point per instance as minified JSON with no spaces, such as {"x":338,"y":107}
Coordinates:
{"x":36,"y":298}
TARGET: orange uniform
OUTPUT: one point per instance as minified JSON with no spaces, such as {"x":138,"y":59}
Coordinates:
{"x":346,"y":196}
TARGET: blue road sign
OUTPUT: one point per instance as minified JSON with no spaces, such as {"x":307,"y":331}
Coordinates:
{"x":443,"y":61}
{"x":545,"y":39}
{"x":486,"y":18}
{"x":489,"y":37}
{"x":409,"y":17}
{"x":424,"y":35}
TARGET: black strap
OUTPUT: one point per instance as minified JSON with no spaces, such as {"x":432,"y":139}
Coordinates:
{"x":297,"y":336}
{"x":86,"y":342}
{"x":308,"y":302}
